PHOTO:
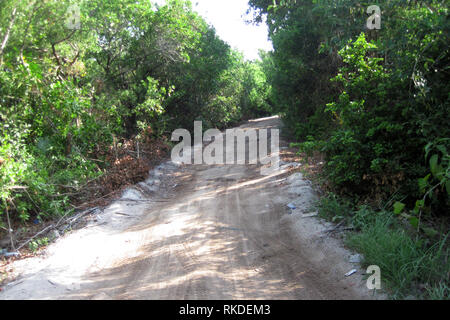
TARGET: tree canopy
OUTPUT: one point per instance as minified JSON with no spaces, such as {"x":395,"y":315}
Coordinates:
{"x":77,"y":77}
{"x":376,"y":102}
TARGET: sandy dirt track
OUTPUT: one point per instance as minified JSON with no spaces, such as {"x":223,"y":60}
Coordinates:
{"x":198,"y":232}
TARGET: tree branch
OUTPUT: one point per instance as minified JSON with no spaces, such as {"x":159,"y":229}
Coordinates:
{"x":8,"y":31}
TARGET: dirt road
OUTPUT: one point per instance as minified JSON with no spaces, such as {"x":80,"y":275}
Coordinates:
{"x":198,"y":232}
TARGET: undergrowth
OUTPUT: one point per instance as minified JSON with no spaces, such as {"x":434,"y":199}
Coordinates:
{"x":412,"y":264}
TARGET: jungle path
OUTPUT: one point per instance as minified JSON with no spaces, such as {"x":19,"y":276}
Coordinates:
{"x":198,"y":232}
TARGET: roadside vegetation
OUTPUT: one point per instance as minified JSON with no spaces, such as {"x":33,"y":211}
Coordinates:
{"x":375,"y":104}
{"x":412,"y":265}
{"x":91,"y":90}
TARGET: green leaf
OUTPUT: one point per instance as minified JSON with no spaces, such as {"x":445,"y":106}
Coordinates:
{"x":434,"y":164}
{"x":427,"y":149}
{"x":414,"y":221}
{"x":440,"y":172}
{"x":419,"y":205}
{"x":442,"y":149}
{"x":423,"y":183}
{"x":398,"y":207}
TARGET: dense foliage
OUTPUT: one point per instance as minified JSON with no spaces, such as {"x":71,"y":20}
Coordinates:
{"x":71,"y":88}
{"x":376,"y":102}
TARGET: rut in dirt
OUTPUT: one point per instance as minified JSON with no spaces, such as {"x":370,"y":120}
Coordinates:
{"x":200,"y":232}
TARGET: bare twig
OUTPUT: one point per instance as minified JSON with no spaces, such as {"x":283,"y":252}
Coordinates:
{"x":85,"y":203}
{"x":16,"y":188}
{"x":429,"y":7}
{"x":80,"y":215}
{"x":74,"y":218}
{"x":9,"y":227}
{"x":334,"y":228}
{"x":137,"y":143}
{"x":141,"y":200}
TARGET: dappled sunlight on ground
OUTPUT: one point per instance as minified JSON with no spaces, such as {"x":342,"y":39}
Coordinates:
{"x":211,"y":232}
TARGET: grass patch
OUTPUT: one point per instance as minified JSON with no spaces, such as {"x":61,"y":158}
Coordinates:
{"x":411,"y":265}
{"x":408,"y":266}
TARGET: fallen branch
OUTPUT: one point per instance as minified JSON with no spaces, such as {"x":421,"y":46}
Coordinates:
{"x":77,"y":217}
{"x":48,"y":228}
{"x":85,"y":203}
{"x":54,"y":226}
{"x":335,"y":228}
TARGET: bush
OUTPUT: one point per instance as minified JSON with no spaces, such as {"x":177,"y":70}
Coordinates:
{"x":388,"y":98}
{"x":377,"y":148}
{"x":334,"y":208}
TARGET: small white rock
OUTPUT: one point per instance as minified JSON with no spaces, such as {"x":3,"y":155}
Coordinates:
{"x":348,"y":274}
